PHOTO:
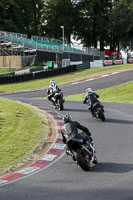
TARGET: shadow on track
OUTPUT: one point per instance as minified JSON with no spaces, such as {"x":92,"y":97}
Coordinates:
{"x":118,"y":121}
{"x":113,"y":168}
{"x":76,"y":110}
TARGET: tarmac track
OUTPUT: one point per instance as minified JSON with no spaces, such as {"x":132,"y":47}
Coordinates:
{"x":111,"y":179}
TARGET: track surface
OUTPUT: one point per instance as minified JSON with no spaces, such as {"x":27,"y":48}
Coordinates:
{"x":111,"y":179}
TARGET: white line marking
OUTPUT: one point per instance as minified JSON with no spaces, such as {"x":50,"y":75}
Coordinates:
{"x":90,"y":79}
{"x":48,"y":157}
{"x":115,"y":72}
{"x":59,"y":136}
{"x":105,"y":75}
{"x":3,"y":181}
{"x":58,"y":146}
{"x":28,"y":170}
{"x":74,"y":83}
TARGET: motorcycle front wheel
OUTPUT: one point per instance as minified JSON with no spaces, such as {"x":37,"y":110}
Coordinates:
{"x":60,"y":104}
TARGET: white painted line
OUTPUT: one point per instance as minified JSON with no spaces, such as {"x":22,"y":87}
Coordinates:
{"x":115,"y":73}
{"x":59,"y":136}
{"x":105,"y":75}
{"x":48,"y":157}
{"x":74,"y":83}
{"x":58,"y":146}
{"x":3,"y":181}
{"x":28,"y":170}
{"x":90,"y":79}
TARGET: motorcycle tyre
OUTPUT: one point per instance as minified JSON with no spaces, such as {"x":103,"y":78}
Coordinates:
{"x":81,"y":161}
{"x":60,"y":104}
{"x":101,"y":116}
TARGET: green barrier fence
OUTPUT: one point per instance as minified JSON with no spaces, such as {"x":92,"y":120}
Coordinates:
{"x":85,"y":65}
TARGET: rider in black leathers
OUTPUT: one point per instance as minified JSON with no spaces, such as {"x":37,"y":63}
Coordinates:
{"x":53,"y":88}
{"x":70,"y":130}
{"x":90,"y":98}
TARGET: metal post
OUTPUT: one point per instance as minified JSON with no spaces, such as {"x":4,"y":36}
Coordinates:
{"x":63,"y":36}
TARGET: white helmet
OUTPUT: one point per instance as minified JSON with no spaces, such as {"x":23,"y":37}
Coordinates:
{"x":89,"y":90}
{"x":52,"y":83}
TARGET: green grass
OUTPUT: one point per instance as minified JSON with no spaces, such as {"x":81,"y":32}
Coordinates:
{"x":120,"y":93}
{"x":21,"y":131}
{"x":62,"y":79}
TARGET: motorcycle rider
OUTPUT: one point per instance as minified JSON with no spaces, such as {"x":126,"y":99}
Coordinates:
{"x":90,"y":98}
{"x":53,"y":88}
{"x":70,"y":130}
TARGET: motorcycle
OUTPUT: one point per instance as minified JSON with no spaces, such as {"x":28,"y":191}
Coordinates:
{"x":59,"y":101}
{"x":97,"y":111}
{"x":82,"y":154}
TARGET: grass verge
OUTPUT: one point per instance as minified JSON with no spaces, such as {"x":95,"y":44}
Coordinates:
{"x":121,"y":93}
{"x":21,"y":131}
{"x":62,"y":79}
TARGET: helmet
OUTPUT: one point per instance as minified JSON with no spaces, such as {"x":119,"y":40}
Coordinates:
{"x":52,"y":83}
{"x":67,"y":118}
{"x":89,"y":90}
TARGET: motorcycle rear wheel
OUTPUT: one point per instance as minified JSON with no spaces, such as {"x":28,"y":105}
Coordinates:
{"x":81,"y":160}
{"x":101,"y":116}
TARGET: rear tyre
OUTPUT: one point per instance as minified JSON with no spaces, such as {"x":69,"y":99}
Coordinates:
{"x":81,"y":161}
{"x":101,"y":116}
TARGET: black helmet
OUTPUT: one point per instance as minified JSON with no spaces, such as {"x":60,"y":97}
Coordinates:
{"x":67,"y":118}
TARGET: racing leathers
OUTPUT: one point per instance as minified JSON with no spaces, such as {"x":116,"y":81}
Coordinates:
{"x":51,"y":92}
{"x":90,"y":99}
{"x":70,"y":130}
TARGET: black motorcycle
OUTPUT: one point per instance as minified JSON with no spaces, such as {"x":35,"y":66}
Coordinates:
{"x":59,"y":101}
{"x":97,"y":110}
{"x":82,"y":153}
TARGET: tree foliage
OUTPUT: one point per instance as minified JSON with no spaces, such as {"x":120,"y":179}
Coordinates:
{"x":20,"y":16}
{"x":94,"y":22}
{"x":120,"y":26}
{"x":57,"y":13}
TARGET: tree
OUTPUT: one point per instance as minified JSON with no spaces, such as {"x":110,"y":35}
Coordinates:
{"x":10,"y":16}
{"x":31,"y":12}
{"x":57,"y":13}
{"x":120,"y":22}
{"x":92,"y":22}
{"x":20,"y":16}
